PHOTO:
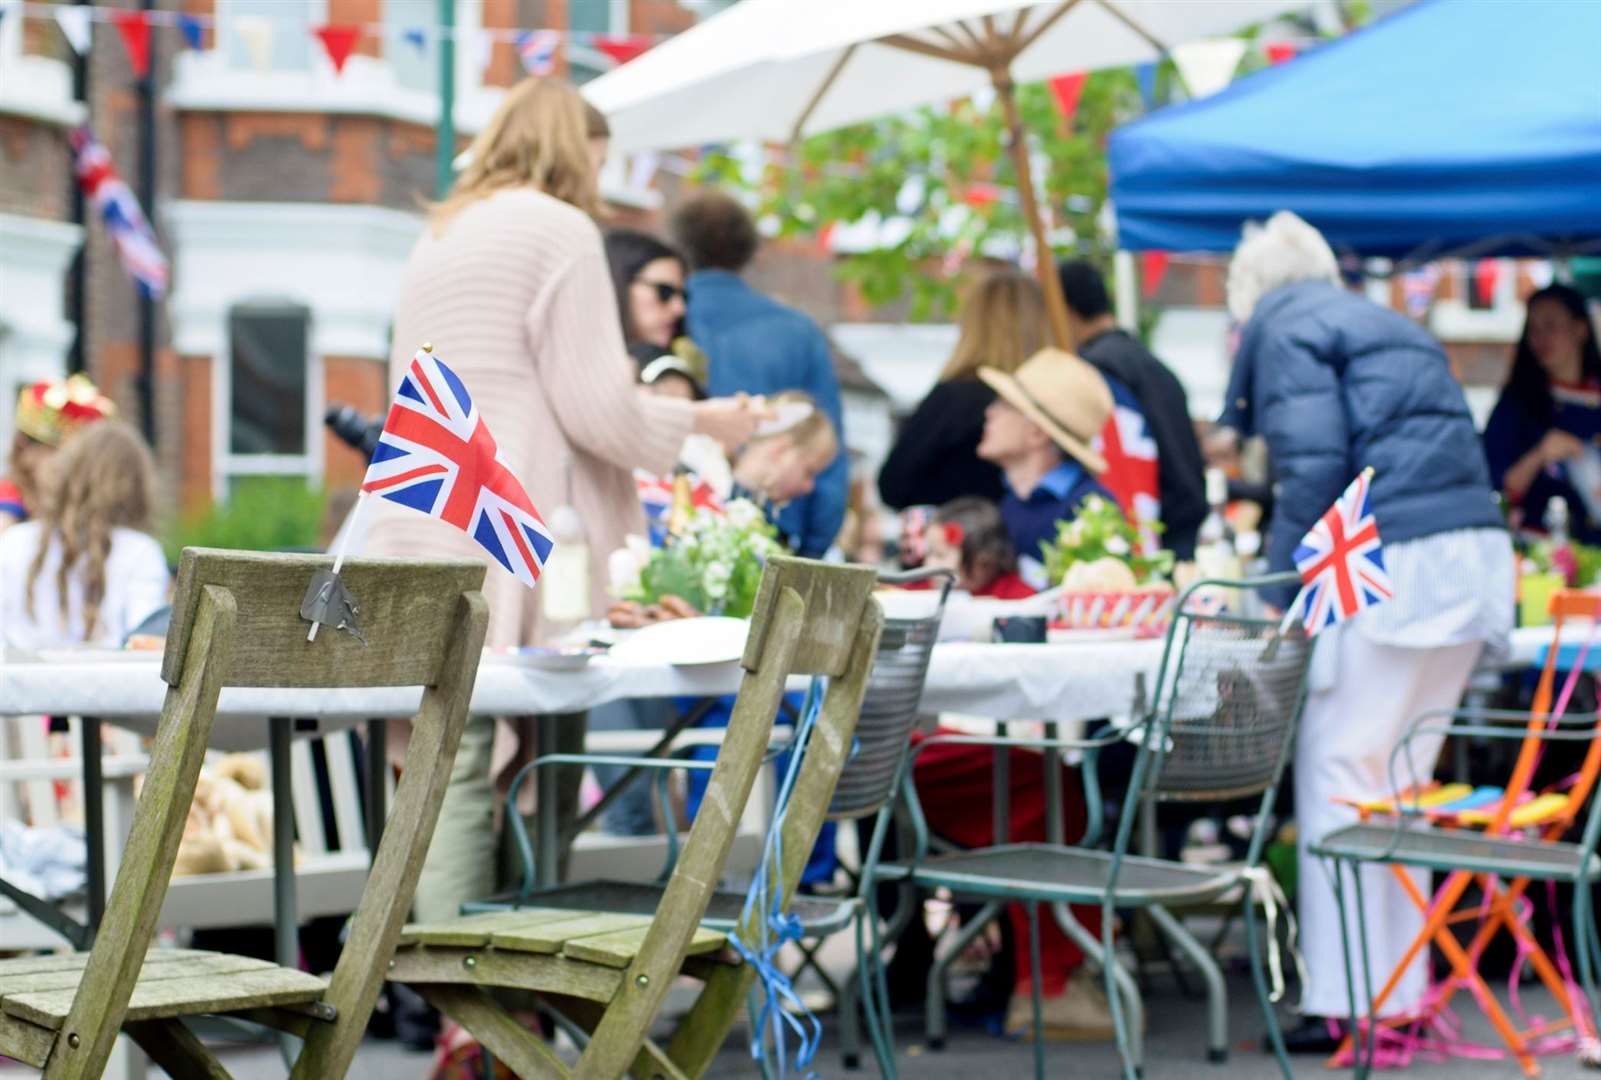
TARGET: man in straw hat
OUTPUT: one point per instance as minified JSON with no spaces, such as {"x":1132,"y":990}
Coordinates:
{"x":1041,"y":431}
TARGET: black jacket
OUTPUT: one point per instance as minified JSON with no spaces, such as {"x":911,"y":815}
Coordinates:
{"x":935,"y":456}
{"x":1182,"y":487}
{"x":1335,"y":383}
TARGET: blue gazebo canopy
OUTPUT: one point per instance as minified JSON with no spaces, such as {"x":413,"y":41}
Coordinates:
{"x":1452,"y":127}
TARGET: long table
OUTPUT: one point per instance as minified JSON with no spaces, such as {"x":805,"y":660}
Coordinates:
{"x":1068,"y":683}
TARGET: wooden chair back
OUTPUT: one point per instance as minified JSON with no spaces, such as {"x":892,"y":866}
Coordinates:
{"x":236,"y":622}
{"x":810,"y":618}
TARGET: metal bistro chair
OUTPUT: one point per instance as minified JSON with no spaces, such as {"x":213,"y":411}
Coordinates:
{"x":866,"y":785}
{"x":1500,"y":839}
{"x":1220,"y":728}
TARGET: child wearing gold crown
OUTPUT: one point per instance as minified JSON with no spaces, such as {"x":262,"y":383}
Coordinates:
{"x":47,"y":413}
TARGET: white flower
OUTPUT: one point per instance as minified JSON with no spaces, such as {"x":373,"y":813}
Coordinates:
{"x":1116,"y":545}
{"x":714,"y":579}
{"x":1075,"y":532}
{"x":743,"y":514}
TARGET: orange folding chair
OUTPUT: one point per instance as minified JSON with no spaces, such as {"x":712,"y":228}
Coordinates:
{"x":1500,"y":839}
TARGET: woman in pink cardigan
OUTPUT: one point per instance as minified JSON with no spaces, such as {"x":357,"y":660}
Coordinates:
{"x":510,"y":285}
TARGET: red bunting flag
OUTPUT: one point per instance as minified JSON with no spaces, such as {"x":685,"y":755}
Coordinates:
{"x":1153,"y":268}
{"x":339,"y":41}
{"x":1279,"y":52}
{"x":1067,"y":89}
{"x":134,"y":26}
{"x":621,"y":47}
{"x":1486,"y":274}
{"x":981,"y":195}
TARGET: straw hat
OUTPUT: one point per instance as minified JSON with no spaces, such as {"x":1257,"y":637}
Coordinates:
{"x":1062,"y":394}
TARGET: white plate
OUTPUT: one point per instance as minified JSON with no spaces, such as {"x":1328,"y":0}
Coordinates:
{"x":554,"y":659}
{"x":685,"y":642}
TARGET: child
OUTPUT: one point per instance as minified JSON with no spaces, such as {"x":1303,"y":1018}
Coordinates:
{"x":47,"y":413}
{"x":85,"y":571}
{"x":968,"y":536}
{"x":787,"y":455}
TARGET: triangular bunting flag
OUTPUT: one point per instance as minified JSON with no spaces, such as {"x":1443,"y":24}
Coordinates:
{"x":134,"y":27}
{"x":538,"y":50}
{"x":1486,"y":275}
{"x":339,"y":42}
{"x":1067,"y":89}
{"x":1153,"y":268}
{"x":255,"y":31}
{"x":414,"y":36}
{"x":193,"y":32}
{"x":74,"y":23}
{"x":1278,"y":52}
{"x":1145,"y":77}
{"x":620,"y":47}
{"x":1207,"y":66}
{"x":642,"y":168}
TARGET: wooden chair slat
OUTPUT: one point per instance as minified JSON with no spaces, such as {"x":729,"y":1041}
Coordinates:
{"x":28,"y":965}
{"x":188,"y":967}
{"x":279,"y":654}
{"x":217,"y":993}
{"x":835,"y":597}
{"x":27,"y":1043}
{"x":619,"y":948}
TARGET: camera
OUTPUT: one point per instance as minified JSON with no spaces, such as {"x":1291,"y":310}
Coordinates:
{"x":355,"y":429}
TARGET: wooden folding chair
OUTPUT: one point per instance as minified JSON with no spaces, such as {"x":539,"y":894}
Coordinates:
{"x":608,"y":972}
{"x":1500,"y":839}
{"x":236,"y":622}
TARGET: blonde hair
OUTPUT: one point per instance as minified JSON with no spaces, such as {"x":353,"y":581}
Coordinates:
{"x":1282,"y":252}
{"x":103,"y":478}
{"x":813,"y":435}
{"x":1003,"y":324}
{"x":538,"y":138}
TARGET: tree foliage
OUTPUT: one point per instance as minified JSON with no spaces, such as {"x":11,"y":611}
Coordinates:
{"x":939,"y":185}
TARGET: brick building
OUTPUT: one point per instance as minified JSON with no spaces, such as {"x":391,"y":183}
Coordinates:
{"x":287,"y":200}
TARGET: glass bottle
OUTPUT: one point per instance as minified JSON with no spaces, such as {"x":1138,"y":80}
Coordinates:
{"x":564,"y":584}
{"x":1563,"y":560}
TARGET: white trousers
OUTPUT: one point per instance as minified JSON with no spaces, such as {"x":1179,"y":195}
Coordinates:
{"x":1347,"y":734}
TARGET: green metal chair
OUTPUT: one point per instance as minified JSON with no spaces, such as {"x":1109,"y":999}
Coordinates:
{"x":866,"y":786}
{"x":1503,"y":858}
{"x":1220,"y":728}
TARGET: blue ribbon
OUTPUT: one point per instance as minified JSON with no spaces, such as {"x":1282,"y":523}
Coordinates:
{"x":777,"y":926}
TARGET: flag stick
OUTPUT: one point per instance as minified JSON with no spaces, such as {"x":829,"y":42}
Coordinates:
{"x":344,"y":542}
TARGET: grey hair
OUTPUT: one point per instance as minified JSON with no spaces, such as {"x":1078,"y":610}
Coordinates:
{"x":1281,"y":252}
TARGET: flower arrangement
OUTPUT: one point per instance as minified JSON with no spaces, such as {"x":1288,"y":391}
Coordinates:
{"x":714,"y":565}
{"x":1100,"y":532}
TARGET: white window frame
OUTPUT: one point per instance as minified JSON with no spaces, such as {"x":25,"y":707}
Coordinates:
{"x":226,"y":464}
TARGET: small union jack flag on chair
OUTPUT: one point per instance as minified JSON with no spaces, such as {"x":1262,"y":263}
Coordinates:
{"x":437,"y":456}
{"x":1341,"y":560}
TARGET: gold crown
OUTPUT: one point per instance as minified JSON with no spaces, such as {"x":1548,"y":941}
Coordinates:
{"x":48,"y":412}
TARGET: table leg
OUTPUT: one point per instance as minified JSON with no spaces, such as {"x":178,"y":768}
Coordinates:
{"x":1053,"y":788}
{"x":94,"y":822}
{"x":547,"y":807}
{"x":377,"y":781}
{"x":285,"y":907}
{"x":1001,"y":793}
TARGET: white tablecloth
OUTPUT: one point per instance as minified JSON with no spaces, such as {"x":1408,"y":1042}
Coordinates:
{"x":1074,"y":682}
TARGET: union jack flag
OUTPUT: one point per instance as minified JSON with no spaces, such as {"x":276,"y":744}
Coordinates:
{"x":656,"y":496}
{"x":538,"y":50}
{"x":437,"y":456}
{"x":1341,"y":560}
{"x":112,"y":199}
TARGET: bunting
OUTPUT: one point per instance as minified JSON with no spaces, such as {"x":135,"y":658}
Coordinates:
{"x":1145,"y":78}
{"x":1067,"y":90}
{"x":621,"y":48}
{"x":1207,"y":66}
{"x":134,"y":29}
{"x":114,"y":201}
{"x":1417,"y":289}
{"x":1279,"y":52}
{"x":414,"y":36}
{"x":339,"y":41}
{"x":1153,"y":268}
{"x":74,"y":22}
{"x":255,"y":33}
{"x":1486,"y":275}
{"x":538,"y":50}
{"x":193,"y":32}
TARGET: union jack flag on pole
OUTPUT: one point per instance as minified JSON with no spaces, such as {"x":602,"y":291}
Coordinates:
{"x":112,"y":199}
{"x":1341,"y":561}
{"x":436,"y":456}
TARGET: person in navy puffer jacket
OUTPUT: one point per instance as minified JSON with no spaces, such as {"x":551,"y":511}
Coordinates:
{"x":1335,"y":384}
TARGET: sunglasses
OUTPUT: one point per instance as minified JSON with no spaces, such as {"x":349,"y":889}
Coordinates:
{"x":666,"y":292}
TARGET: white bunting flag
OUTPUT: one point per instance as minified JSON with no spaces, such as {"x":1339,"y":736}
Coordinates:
{"x":1207,"y":66}
{"x":255,"y":33}
{"x":74,"y":23}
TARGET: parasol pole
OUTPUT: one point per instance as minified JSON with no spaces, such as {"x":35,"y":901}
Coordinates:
{"x":1044,"y":261}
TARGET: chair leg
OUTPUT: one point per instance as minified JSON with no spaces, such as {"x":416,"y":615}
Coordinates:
{"x":1259,"y":980}
{"x":1585,"y":944}
{"x":175,"y":1048}
{"x":472,"y":1008}
{"x":1367,"y":970}
{"x":880,"y":1017}
{"x":1120,"y":1022}
{"x":1127,"y":989}
{"x":1335,"y":870}
{"x":935,"y":1003}
{"x":1217,"y":1002}
{"x":854,"y":994}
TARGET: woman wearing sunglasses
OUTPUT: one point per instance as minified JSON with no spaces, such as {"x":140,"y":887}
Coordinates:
{"x":649,"y":278}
